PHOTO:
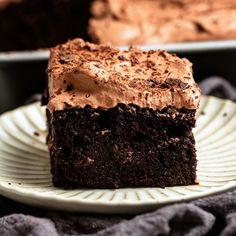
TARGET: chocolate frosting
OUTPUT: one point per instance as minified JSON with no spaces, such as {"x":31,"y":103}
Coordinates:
{"x":82,"y":74}
{"x":123,"y":22}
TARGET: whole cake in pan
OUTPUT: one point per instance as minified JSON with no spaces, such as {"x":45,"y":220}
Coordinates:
{"x":125,"y":22}
{"x":34,"y":24}
{"x":27,"y":24}
{"x":120,"y":118}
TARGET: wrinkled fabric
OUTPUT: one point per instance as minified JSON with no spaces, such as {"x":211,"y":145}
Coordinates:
{"x":215,"y":215}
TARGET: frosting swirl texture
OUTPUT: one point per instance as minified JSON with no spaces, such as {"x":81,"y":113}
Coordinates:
{"x":83,"y":74}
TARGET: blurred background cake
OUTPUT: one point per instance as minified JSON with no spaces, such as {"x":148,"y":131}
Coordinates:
{"x":26,"y":24}
{"x":123,"y":22}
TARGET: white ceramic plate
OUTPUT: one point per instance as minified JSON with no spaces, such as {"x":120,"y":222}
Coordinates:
{"x":24,"y":56}
{"x":188,"y":47}
{"x":25,"y":170}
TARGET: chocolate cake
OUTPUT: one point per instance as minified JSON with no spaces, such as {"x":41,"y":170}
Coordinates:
{"x":27,"y":24}
{"x":129,"y":22}
{"x":120,"y":118}
{"x":33,"y":24}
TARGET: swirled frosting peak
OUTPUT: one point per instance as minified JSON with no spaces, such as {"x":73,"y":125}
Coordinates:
{"x":82,"y":73}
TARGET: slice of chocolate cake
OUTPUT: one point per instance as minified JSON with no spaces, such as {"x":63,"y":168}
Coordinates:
{"x":120,"y":118}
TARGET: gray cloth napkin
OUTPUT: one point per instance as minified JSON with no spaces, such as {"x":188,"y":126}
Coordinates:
{"x":214,"y":215}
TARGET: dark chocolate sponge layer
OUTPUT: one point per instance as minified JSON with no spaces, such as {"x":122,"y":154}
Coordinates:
{"x":125,"y":146}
